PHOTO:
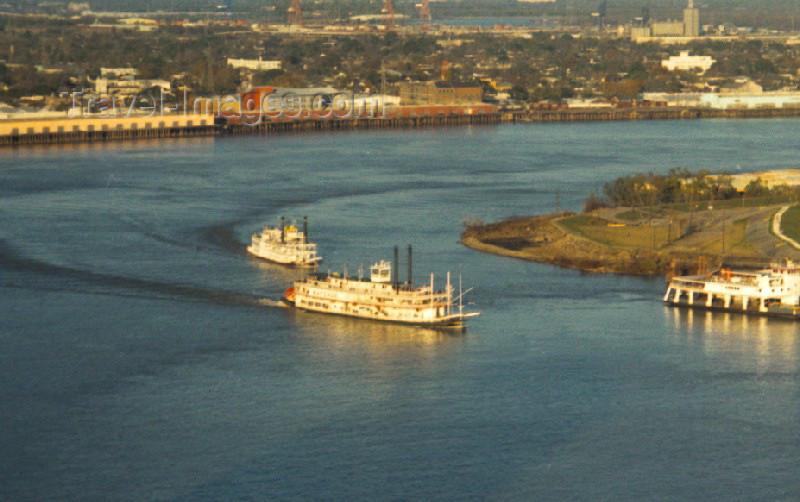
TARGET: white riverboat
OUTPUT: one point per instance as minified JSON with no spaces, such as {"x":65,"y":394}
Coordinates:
{"x":773,"y":291}
{"x":285,"y":245}
{"x":381,"y":297}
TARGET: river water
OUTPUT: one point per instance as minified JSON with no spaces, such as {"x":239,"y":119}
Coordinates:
{"x":142,"y":355}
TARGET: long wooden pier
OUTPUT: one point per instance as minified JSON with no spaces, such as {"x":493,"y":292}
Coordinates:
{"x":57,"y":138}
{"x":63,"y":130}
{"x":645,"y":113}
{"x":268,"y":127}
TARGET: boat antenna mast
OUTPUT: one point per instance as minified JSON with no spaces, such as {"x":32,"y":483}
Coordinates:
{"x":460,"y":297}
{"x":410,"y":269}
{"x":396,"y":271}
{"x":449,"y":295}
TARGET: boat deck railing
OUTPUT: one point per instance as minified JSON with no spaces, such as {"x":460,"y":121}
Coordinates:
{"x":320,"y":278}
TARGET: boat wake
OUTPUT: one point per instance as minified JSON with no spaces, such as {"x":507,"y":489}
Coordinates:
{"x":267,"y":302}
{"x":224,"y":237}
{"x":11,"y":260}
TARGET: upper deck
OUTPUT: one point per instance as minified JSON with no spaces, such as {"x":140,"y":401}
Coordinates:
{"x":330,"y":285}
{"x":776,"y":280}
{"x":288,"y":236}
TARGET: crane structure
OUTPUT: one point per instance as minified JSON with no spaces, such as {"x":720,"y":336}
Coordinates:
{"x":388,"y":13}
{"x":424,"y":13}
{"x":295,"y":14}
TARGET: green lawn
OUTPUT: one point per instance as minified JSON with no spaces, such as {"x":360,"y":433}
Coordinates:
{"x":632,"y":215}
{"x":710,"y":240}
{"x":598,"y":230}
{"x":790,"y":223}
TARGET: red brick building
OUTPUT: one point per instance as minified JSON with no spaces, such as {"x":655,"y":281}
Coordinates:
{"x":440,"y":92}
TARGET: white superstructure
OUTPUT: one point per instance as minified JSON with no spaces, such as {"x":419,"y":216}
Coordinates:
{"x":286,"y":245}
{"x":688,"y":62}
{"x":769,"y":291}
{"x":380,"y":297}
{"x":253,"y":64}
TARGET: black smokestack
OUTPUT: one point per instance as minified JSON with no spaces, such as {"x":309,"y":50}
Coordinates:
{"x":305,"y":229}
{"x":410,"y":269}
{"x":395,"y":273}
{"x":283,"y":229}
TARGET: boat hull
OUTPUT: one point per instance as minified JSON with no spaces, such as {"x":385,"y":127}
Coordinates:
{"x":452,"y":323}
{"x":775,"y":314}
{"x":277,"y":261}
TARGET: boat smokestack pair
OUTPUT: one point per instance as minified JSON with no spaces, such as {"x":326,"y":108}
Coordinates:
{"x":283,"y":229}
{"x":396,"y":266}
{"x":305,"y":229}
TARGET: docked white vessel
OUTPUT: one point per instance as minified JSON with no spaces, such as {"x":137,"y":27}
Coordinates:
{"x":381,"y":297}
{"x":773,"y":291}
{"x":286,"y":245}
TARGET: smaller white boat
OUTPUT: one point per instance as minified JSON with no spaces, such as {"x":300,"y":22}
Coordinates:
{"x":286,"y":245}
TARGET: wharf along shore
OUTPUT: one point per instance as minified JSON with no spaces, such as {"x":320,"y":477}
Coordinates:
{"x":96,"y":129}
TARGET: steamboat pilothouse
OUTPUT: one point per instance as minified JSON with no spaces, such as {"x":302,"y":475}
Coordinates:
{"x":285,"y":245}
{"x":381,"y":297}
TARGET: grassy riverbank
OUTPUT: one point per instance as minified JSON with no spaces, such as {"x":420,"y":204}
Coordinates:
{"x":790,"y":223}
{"x":657,"y":240}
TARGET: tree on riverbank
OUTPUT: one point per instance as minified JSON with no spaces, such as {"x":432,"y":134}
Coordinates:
{"x":677,"y":187}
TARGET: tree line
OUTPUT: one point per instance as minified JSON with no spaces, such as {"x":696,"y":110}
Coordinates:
{"x":678,"y":186}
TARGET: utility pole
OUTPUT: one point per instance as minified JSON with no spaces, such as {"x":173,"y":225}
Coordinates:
{"x":383,"y":78}
{"x":425,"y":14}
{"x":654,"y":234}
{"x":295,"y":15}
{"x":209,"y":69}
{"x":723,"y":237}
{"x":210,"y":73}
{"x":388,"y":12}
{"x":558,"y":200}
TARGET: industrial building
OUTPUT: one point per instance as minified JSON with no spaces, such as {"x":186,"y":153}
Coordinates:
{"x":747,"y":95}
{"x":123,"y":81}
{"x":288,"y":99}
{"x":687,"y":62}
{"x":96,"y":128}
{"x":272,"y":100}
{"x":300,"y":101}
{"x":440,"y":93}
{"x":118,"y":72}
{"x":689,"y":26}
{"x":435,"y":103}
{"x":771,"y":179}
{"x":253,"y":64}
{"x":128,"y":86}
